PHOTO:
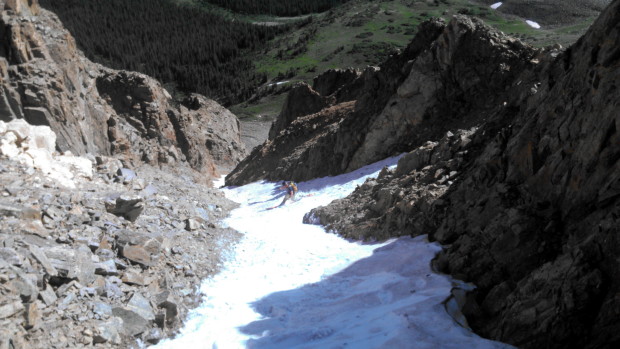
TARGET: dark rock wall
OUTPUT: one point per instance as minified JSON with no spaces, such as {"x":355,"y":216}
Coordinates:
{"x":527,"y":204}
{"x":534,"y":222}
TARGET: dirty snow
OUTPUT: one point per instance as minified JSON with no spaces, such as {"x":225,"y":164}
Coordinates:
{"x":292,"y":285}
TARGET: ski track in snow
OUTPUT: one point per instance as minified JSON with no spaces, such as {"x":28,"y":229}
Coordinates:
{"x":292,"y":285}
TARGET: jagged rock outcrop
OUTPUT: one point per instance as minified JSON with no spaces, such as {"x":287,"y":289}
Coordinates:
{"x":333,"y":80}
{"x":530,"y":214}
{"x":449,"y":77}
{"x":301,"y":100}
{"x":398,"y":202}
{"x":94,"y":110}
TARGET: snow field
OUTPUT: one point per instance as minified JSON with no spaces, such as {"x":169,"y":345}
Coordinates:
{"x":292,"y":285}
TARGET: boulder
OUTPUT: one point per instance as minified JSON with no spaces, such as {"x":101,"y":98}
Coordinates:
{"x":131,"y":277}
{"x":109,"y":331}
{"x":10,"y":308}
{"x":74,"y":264}
{"x":10,"y":256}
{"x":137,"y":254}
{"x":141,"y":306}
{"x":32,"y":315}
{"x":133,"y":323}
{"x":126,"y":206}
{"x":47,"y":295}
{"x":40,"y":256}
{"x":106,"y":268}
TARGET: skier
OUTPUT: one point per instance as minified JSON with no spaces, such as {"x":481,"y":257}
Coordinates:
{"x":291,"y":190}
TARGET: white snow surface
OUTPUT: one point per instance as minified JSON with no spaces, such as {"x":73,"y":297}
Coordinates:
{"x":533,"y":24}
{"x":293,"y":285}
{"x":496,"y":5}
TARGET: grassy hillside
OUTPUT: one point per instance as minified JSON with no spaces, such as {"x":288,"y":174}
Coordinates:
{"x":365,"y":32}
{"x":276,"y":7}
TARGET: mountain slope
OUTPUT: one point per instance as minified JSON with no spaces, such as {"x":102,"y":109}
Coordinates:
{"x":515,"y":172}
{"x":95,"y":110}
{"x":527,"y":205}
{"x":448,"y":76}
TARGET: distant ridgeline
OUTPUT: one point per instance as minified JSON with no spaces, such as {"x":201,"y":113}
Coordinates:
{"x":190,"y":49}
{"x":277,"y":7}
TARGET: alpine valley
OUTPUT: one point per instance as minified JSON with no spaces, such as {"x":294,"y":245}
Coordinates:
{"x":110,"y":215}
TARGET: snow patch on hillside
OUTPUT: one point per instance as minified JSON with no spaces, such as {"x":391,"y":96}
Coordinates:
{"x":533,"y":24}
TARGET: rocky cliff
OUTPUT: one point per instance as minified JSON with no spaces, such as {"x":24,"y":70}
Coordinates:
{"x":526,"y":202}
{"x":97,"y":253}
{"x":450,"y":76}
{"x":109,"y":248}
{"x":94,"y":110}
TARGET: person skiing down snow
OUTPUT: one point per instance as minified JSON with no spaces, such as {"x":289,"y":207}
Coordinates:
{"x":291,"y":190}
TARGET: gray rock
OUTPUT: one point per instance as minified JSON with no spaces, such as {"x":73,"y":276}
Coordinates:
{"x":137,"y":254}
{"x":67,"y":300}
{"x":126,"y":206}
{"x":11,"y":256}
{"x":40,"y":256}
{"x":109,"y":331}
{"x":192,"y":224}
{"x":148,"y":191}
{"x":134,"y":324}
{"x":126,"y":175}
{"x":85,"y":268}
{"x":111,"y":290}
{"x":154,"y":336}
{"x":54,"y":213}
{"x":101,"y":308}
{"x":10,"y":309}
{"x":141,"y":306}
{"x":9,"y":210}
{"x":32,"y":315}
{"x":34,"y":227}
{"x":25,"y":285}
{"x":105,"y":254}
{"x":131,"y":277}
{"x":48,"y":296}
{"x":106,"y":268}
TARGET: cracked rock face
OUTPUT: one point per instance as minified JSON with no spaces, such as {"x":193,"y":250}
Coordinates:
{"x":100,"y":111}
